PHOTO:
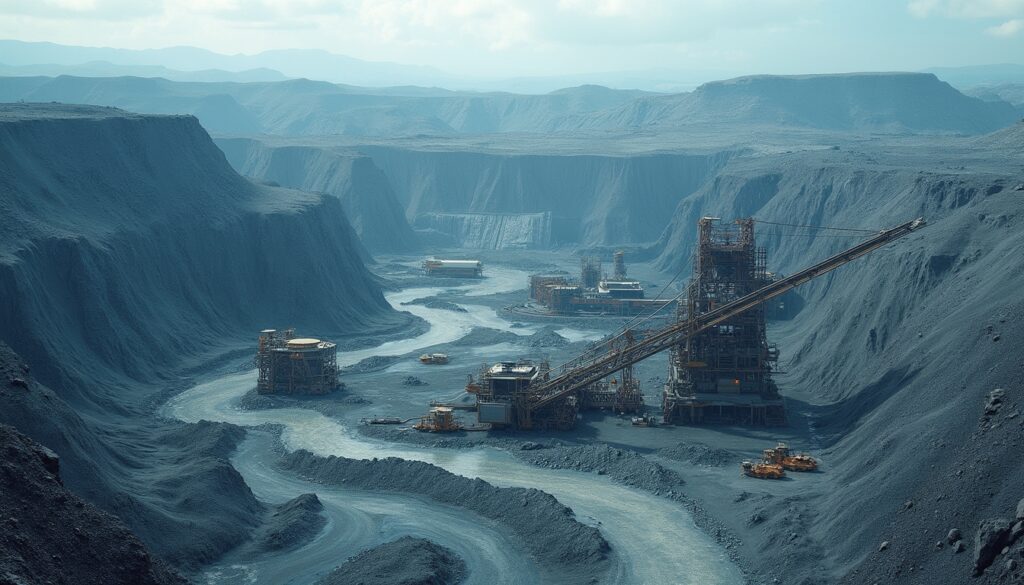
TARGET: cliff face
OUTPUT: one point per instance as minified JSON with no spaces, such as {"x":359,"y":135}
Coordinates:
{"x":130,"y":245}
{"x":73,"y":542}
{"x":895,"y":355}
{"x":131,"y":252}
{"x":365,"y":193}
{"x":491,"y":231}
{"x":591,"y":199}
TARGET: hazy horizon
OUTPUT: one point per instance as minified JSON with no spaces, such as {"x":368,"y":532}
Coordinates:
{"x":493,"y":40}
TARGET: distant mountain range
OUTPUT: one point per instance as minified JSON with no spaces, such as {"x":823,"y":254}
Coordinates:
{"x":19,"y":58}
{"x":107,"y":69}
{"x":867,"y":102}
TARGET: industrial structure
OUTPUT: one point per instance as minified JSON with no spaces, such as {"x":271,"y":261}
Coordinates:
{"x":434,"y":358}
{"x":724,"y":376}
{"x":453,"y":268}
{"x":504,"y":386}
{"x":295,"y":365}
{"x":440,"y":419}
{"x":593,"y":292}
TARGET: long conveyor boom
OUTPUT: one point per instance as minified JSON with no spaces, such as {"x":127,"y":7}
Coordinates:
{"x":604,"y":365}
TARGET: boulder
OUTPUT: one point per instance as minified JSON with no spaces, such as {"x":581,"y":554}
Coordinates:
{"x":992,"y":536}
{"x":953,"y":535}
{"x":995,"y":401}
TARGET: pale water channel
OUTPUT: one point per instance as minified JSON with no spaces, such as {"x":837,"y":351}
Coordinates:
{"x":653,"y":539}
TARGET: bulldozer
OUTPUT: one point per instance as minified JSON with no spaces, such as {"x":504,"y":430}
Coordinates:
{"x":762,"y":470}
{"x":782,"y":456}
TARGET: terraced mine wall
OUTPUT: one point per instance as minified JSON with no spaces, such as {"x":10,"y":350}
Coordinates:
{"x":491,"y":231}
{"x":894,"y":358}
{"x":591,"y":199}
{"x":131,"y":252}
{"x":364,"y":191}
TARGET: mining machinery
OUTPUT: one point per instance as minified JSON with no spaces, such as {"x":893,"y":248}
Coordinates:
{"x":762,"y":470}
{"x":547,"y":393}
{"x":781,"y":455}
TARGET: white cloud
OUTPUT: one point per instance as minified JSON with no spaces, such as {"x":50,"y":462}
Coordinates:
{"x":966,"y":8}
{"x":93,"y":9}
{"x":1007,"y":29}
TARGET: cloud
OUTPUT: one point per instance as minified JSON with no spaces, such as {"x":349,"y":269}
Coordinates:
{"x":77,"y":9}
{"x":1007,"y":29}
{"x":966,"y":8}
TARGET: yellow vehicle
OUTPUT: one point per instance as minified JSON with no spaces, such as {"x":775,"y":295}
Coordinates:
{"x":440,"y":419}
{"x":762,"y":470}
{"x":781,"y":455}
{"x":434,"y":358}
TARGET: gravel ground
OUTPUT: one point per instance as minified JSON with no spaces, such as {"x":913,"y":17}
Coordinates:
{"x":406,"y":561}
{"x":568,"y":550}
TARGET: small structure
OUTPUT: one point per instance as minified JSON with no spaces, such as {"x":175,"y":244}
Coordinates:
{"x":434,"y":358}
{"x":503,"y":397}
{"x":453,"y":268}
{"x":619,"y":264}
{"x":385,"y":420}
{"x":621,"y":289}
{"x":590,"y":272}
{"x":440,"y":419}
{"x":295,"y":365}
{"x":621,"y":397}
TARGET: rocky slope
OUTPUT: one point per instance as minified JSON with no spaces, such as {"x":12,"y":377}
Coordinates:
{"x":927,"y":329}
{"x":588,"y":199}
{"x":130,"y":245}
{"x":170,"y":483}
{"x":365,"y":193}
{"x":130,"y":252}
{"x":406,"y":561}
{"x":73,"y":542}
{"x":570,"y":551}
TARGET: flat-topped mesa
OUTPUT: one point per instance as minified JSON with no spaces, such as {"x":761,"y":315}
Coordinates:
{"x":121,"y":227}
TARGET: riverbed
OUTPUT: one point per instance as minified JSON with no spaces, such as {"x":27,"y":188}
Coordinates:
{"x":653,"y":539}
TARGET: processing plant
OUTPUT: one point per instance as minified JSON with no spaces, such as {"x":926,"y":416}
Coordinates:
{"x":295,"y":365}
{"x":593,"y":292}
{"x":721,"y":361}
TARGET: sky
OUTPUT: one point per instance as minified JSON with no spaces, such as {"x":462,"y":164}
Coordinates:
{"x":501,"y":38}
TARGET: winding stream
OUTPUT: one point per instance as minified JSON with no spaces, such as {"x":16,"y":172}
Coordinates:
{"x":653,"y":540}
